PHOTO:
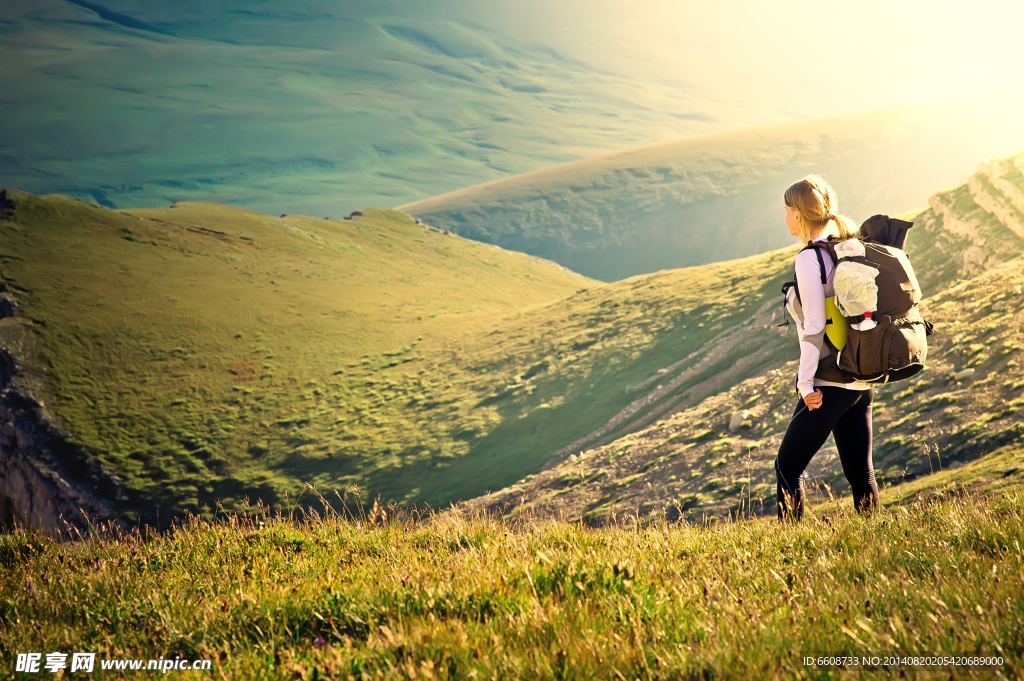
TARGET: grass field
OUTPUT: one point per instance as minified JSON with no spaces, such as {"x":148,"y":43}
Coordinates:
{"x":384,"y":597}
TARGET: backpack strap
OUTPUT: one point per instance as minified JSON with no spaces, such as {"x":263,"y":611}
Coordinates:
{"x":821,"y":264}
{"x":817,"y":246}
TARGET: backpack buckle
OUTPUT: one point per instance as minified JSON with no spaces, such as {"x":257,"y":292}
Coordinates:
{"x":785,"y":292}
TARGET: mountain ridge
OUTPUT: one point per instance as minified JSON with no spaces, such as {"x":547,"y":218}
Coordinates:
{"x":667,"y":205}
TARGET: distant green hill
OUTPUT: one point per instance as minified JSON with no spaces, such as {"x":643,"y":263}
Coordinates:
{"x":707,"y":199}
{"x":321,"y":108}
{"x":326,"y":107}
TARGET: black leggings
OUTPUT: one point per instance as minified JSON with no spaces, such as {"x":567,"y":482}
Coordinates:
{"x":847,"y":415}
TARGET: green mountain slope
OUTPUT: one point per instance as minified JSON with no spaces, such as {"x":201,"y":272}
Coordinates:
{"x":205,"y":353}
{"x":227,"y":353}
{"x":964,"y":411}
{"x":714,"y":198}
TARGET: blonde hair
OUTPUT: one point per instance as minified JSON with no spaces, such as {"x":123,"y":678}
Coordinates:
{"x":816,"y":201}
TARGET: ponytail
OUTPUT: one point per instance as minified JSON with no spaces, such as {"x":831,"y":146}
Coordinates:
{"x":845,"y":227}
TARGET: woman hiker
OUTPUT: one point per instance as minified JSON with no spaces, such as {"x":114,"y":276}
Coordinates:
{"x":830,"y":402}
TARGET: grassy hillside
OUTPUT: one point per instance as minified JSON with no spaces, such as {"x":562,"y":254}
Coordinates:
{"x":961,"y":416}
{"x":206,"y":353}
{"x":472,"y":598}
{"x":719,"y":197}
{"x":964,"y":406}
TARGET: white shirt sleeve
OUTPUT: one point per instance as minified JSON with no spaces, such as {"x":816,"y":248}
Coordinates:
{"x":812,"y":300}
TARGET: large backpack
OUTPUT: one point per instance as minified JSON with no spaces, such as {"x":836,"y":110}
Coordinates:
{"x":885,"y":340}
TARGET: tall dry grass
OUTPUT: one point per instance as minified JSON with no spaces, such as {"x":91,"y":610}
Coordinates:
{"x":391,"y":594}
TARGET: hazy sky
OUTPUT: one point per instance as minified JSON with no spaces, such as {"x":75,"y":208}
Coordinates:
{"x":810,"y":57}
{"x":819,"y":56}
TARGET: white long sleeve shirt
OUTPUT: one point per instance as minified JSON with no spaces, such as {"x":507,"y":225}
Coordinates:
{"x":809,"y":315}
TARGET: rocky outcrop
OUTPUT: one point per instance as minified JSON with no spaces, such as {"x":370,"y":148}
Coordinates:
{"x":998,"y":172}
{"x":942,"y":205}
{"x":6,"y":204}
{"x":45,"y":480}
{"x":976,"y":256}
{"x":997,"y":196}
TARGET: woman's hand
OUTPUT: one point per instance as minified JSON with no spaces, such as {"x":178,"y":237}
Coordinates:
{"x":813,"y":400}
